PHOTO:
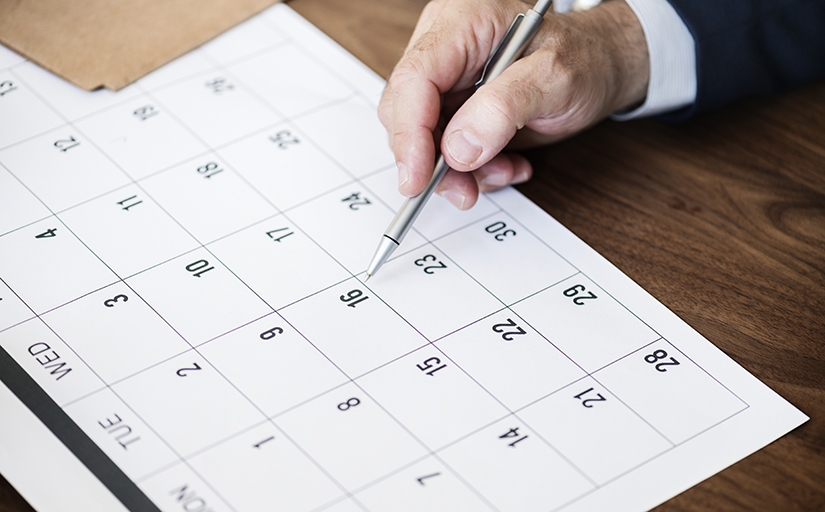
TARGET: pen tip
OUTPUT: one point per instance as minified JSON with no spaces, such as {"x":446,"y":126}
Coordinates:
{"x":367,"y":277}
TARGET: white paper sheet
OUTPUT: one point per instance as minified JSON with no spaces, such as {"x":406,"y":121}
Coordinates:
{"x":181,"y":270}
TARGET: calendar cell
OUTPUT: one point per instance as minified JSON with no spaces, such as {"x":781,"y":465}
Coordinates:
{"x":18,"y":206}
{"x":121,"y":434}
{"x":354,"y":146}
{"x":279,"y":261}
{"x":341,"y":430}
{"x":12,"y":309}
{"x":8,"y":58}
{"x":186,"y":65}
{"x":484,"y":249}
{"x":432,"y":397}
{"x":594,"y":430}
{"x":28,"y":113}
{"x":238,"y":42}
{"x":47,"y":252}
{"x":272,"y":364}
{"x":62,"y":168}
{"x":216,"y":107}
{"x":348,"y":223}
{"x":180,"y":399}
{"x":49,"y":361}
{"x":141,"y":137}
{"x":208,"y":198}
{"x":426,"y":485}
{"x":179,"y":488}
{"x":71,"y":101}
{"x":359,"y":332}
{"x":199,"y":297}
{"x":128,"y":230}
{"x":439,"y":218}
{"x":120,"y":334}
{"x":584,"y":322}
{"x":263,"y":468}
{"x":670,"y":391}
{"x":285,"y":166}
{"x":511,"y":360}
{"x":310,"y":85}
{"x":432,"y":293}
{"x":514,"y":469}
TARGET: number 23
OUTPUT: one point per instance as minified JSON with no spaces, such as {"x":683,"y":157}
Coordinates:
{"x":428,"y":269}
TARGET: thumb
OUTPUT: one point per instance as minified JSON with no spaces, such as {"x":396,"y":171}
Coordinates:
{"x":484,"y":125}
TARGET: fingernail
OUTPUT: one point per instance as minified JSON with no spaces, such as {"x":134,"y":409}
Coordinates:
{"x":403,"y":175}
{"x":521,"y":177}
{"x":464,"y":147}
{"x":495,"y":180}
{"x":454,"y":197}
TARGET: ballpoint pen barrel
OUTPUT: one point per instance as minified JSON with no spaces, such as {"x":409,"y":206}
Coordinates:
{"x":409,"y":211}
{"x":524,"y":33}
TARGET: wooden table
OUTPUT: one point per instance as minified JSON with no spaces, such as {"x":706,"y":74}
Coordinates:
{"x":721,"y":218}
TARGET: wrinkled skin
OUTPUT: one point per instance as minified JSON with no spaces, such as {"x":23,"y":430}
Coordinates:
{"x":579,"y":69}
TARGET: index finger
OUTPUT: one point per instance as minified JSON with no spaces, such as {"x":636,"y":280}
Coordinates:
{"x":446,"y":57}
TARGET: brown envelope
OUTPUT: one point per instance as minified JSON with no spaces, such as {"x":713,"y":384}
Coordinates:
{"x":112,"y":43}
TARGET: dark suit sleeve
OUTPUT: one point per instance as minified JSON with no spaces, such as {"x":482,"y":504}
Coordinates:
{"x":747,"y":47}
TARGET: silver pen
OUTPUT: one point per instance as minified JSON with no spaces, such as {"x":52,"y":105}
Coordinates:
{"x":509,"y":50}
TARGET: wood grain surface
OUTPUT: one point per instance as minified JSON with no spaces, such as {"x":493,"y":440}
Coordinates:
{"x":721,"y":218}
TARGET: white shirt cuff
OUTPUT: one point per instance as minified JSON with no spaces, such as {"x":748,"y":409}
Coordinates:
{"x":672,"y":59}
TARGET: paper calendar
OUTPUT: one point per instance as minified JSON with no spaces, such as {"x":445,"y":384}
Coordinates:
{"x":183,"y":313}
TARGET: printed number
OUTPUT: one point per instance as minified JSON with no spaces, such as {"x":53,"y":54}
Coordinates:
{"x":260,"y":443}
{"x":129,"y":202}
{"x":49,"y":233}
{"x":268,"y":335}
{"x":513,"y":432}
{"x":352,"y":402}
{"x":429,"y":366}
{"x":110,"y":303}
{"x":284,"y":139}
{"x":199,"y":268}
{"x":659,"y":355}
{"x":144,"y":113}
{"x":355,"y":201}
{"x":508,"y":335}
{"x":66,"y":144}
{"x":183,"y":372}
{"x":219,"y":85}
{"x":429,"y":268}
{"x":276,"y":234}
{"x":574,"y":292}
{"x":499,"y":231}
{"x":209,"y":170}
{"x":351,"y":297}
{"x":421,"y":480}
{"x":6,"y":87}
{"x":588,"y":402}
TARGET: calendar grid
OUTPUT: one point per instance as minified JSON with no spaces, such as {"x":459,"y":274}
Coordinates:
{"x":625,"y":307}
{"x":480,"y":335}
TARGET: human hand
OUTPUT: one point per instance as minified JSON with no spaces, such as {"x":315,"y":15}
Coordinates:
{"x":579,"y":69}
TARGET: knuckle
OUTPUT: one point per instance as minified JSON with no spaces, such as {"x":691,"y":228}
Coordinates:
{"x":515,"y":102}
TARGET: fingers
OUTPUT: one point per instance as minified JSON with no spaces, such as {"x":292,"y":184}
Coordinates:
{"x":462,"y":188}
{"x":459,"y":188}
{"x":489,"y":119}
{"x":416,"y":87}
{"x":503,"y":170}
{"x":445,"y":54}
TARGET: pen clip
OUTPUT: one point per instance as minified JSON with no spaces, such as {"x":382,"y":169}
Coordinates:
{"x":496,"y":55}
